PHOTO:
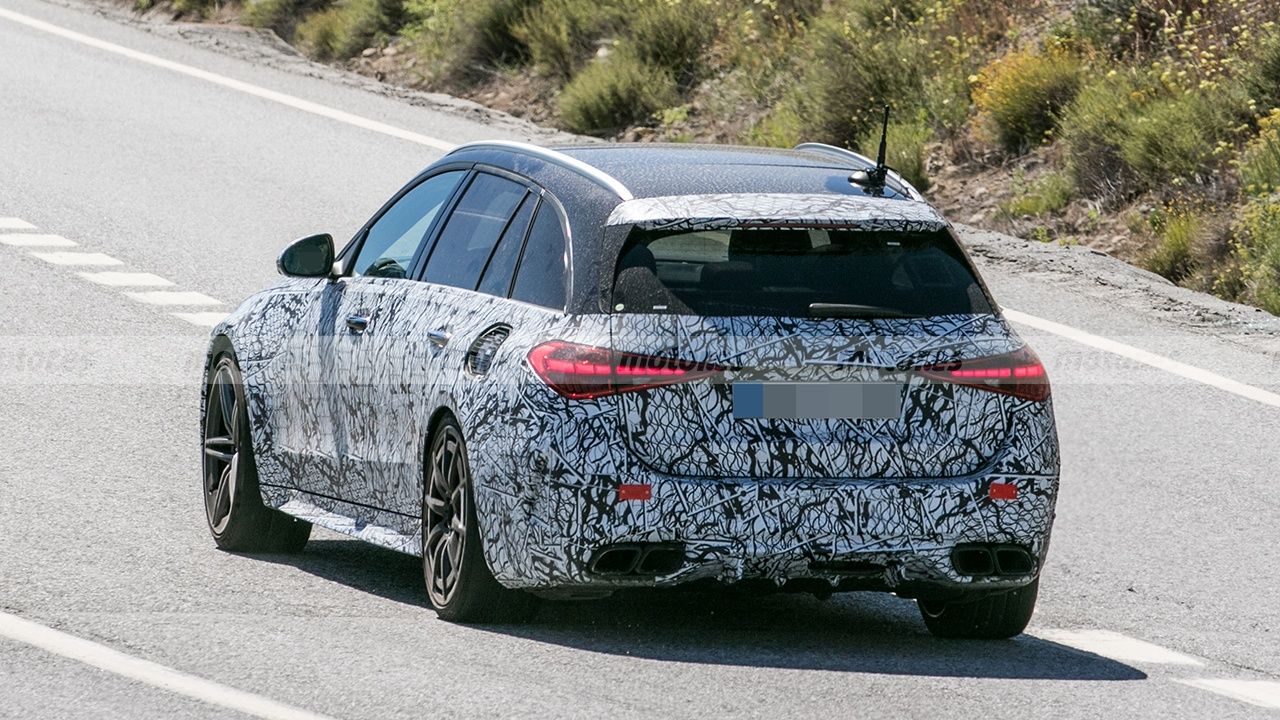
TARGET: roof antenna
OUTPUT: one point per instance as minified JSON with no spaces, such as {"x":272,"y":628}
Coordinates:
{"x":873,"y":180}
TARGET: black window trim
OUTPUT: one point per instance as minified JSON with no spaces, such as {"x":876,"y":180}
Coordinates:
{"x":420,"y":267}
{"x":356,"y":244}
{"x":548,"y":198}
{"x":541,"y":196}
{"x":529,"y":197}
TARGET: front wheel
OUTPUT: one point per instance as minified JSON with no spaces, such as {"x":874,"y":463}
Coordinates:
{"x":459,"y":583}
{"x":233,"y":505}
{"x":991,"y":617}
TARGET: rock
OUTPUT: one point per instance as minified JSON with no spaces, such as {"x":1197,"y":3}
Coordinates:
{"x":976,"y":218}
{"x":369,"y":52}
{"x":390,"y":50}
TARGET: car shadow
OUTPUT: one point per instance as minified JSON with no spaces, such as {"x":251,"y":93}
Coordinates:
{"x":851,"y":632}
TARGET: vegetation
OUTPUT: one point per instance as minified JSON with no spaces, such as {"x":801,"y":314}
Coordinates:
{"x":1167,"y":111}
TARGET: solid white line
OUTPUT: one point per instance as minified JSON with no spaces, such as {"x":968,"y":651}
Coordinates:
{"x":203,"y":319}
{"x":77,"y":258}
{"x":1263,"y":693}
{"x":13,"y":223}
{"x":125,"y":279}
{"x":1116,"y":646}
{"x":173,"y":297}
{"x":278,"y":97}
{"x":145,"y":671}
{"x":1189,"y":372}
{"x":33,"y":240}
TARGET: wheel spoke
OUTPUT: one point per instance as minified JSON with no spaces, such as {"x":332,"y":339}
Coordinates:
{"x":220,"y":448}
{"x":435,"y":505}
{"x":227,"y":401}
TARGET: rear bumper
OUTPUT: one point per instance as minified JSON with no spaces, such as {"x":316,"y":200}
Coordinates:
{"x":891,"y":535}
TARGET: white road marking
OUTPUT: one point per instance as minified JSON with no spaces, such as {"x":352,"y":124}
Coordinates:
{"x":145,"y":671}
{"x":1080,"y":336}
{"x":289,"y":100}
{"x":173,"y":297}
{"x":203,"y":319}
{"x":1168,"y":365}
{"x":77,"y":258}
{"x":1116,"y":646}
{"x":13,"y":223}
{"x":126,"y":279}
{"x":33,"y":240}
{"x":1263,"y":693}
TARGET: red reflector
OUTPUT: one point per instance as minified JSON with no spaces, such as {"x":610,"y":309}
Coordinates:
{"x":635,"y":492}
{"x":1003,"y":491}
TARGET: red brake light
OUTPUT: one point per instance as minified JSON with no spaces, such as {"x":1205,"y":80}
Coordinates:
{"x":584,"y":371}
{"x":1018,"y":373}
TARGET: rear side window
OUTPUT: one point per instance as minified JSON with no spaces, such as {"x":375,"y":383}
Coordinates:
{"x":472,"y":231}
{"x":540,"y":279}
{"x":394,"y":238}
{"x":796,"y":273}
{"x":502,"y":265}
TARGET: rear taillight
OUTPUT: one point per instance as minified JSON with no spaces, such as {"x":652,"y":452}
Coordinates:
{"x":1018,"y":373}
{"x":584,"y":371}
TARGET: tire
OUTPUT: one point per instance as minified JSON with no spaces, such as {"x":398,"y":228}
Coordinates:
{"x":459,"y":583}
{"x":991,"y":617}
{"x":236,"y":517}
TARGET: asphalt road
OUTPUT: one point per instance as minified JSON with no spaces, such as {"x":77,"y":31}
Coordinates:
{"x":1165,"y":568}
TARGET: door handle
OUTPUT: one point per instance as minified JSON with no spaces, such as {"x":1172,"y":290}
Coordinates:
{"x":358,"y":323}
{"x":439,"y":337}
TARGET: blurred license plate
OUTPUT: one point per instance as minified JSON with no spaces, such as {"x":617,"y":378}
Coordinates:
{"x":852,"y":401}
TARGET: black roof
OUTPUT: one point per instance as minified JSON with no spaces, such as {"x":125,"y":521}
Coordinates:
{"x":655,"y":170}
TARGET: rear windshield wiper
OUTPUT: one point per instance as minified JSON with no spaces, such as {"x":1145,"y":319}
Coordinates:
{"x":849,"y":310}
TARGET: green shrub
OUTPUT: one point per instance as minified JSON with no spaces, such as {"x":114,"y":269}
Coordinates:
{"x":614,"y":92}
{"x":672,"y":34}
{"x":281,"y":16}
{"x":848,"y":75}
{"x":1093,"y":128}
{"x":1046,"y":195}
{"x":562,"y":34}
{"x":1179,"y":231}
{"x":1262,"y":76}
{"x":905,"y":151}
{"x":1260,"y":163}
{"x":1172,"y":139}
{"x":1258,"y":251}
{"x":780,"y":128}
{"x":463,"y":39}
{"x":342,"y":30}
{"x":1023,"y":93}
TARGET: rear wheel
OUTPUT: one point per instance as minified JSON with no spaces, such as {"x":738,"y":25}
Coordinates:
{"x":233,"y":506}
{"x":459,"y":583}
{"x":994,"y":616}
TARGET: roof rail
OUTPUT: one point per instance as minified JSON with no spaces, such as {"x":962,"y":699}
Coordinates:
{"x":594,"y":174}
{"x":865,"y":162}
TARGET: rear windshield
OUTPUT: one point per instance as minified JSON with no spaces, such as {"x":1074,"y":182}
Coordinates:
{"x":796,"y":273}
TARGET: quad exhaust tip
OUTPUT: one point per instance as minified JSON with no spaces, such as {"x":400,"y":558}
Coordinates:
{"x":638,"y":559}
{"x":988,"y":560}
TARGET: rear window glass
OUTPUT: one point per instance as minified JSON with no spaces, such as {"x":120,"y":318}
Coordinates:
{"x":796,"y":273}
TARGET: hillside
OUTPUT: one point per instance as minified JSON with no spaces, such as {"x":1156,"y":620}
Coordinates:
{"x":1149,"y":129}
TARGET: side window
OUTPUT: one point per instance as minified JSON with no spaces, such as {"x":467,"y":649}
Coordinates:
{"x":540,"y":279}
{"x":472,"y":231}
{"x":497,"y":277}
{"x":395,"y":237}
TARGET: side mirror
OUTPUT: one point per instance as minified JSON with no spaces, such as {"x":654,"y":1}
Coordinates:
{"x":310,"y":256}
